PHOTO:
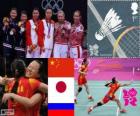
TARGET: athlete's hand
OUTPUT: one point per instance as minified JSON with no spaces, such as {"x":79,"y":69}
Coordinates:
{"x":6,"y":97}
{"x":42,"y":49}
{"x":3,"y":80}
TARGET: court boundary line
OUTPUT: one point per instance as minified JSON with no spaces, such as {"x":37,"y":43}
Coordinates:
{"x":90,"y":105}
{"x":103,"y":84}
{"x":120,"y":87}
{"x":120,"y":94}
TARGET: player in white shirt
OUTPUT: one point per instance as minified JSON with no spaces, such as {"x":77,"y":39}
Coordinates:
{"x":47,"y":32}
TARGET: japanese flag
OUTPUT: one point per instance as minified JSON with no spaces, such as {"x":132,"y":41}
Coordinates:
{"x":61,"y":87}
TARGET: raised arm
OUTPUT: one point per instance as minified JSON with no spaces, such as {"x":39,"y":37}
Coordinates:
{"x":107,"y":84}
{"x":126,"y":84}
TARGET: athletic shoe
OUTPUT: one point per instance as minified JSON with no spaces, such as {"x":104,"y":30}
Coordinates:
{"x":90,"y":98}
{"x":89,"y":110}
{"x":123,"y":111}
{"x":75,"y":101}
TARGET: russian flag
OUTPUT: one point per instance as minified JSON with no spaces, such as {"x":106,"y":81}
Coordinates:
{"x":61,"y":87}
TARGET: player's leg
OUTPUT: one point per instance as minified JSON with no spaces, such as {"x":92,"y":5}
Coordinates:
{"x":105,"y":100}
{"x":36,"y":52}
{"x":79,"y":51}
{"x":28,"y":54}
{"x":56,"y":51}
{"x":49,"y":47}
{"x":64,"y":51}
{"x":77,"y":93}
{"x":87,"y":90}
{"x":119,"y":105}
{"x":71,"y":53}
{"x":49,"y":53}
{"x":43,"y":54}
{"x":76,"y":52}
{"x":90,"y":109}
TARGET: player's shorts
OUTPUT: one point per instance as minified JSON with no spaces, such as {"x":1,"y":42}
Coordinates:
{"x":76,"y":52}
{"x":60,"y":51}
{"x":107,"y":98}
{"x":82,"y":80}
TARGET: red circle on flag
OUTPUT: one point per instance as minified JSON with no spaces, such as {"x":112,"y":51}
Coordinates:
{"x":61,"y":87}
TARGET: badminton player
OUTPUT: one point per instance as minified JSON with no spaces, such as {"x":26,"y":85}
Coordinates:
{"x":23,"y":88}
{"x":62,"y":29}
{"x":20,"y":42}
{"x":47,"y":33}
{"x":110,"y":96}
{"x":33,"y":42}
{"x":82,"y":81}
{"x":76,"y":36}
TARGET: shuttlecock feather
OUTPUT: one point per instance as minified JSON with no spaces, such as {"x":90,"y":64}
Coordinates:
{"x":111,"y":23}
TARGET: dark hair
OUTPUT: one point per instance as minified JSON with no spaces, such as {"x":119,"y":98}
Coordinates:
{"x":24,"y":12}
{"x":18,"y":69}
{"x":41,"y":70}
{"x":114,"y":80}
{"x":14,"y":8}
{"x":48,"y":8}
{"x":84,"y":61}
{"x":36,"y":8}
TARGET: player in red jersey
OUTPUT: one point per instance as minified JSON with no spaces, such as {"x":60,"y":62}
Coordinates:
{"x":34,"y":42}
{"x":61,"y":37}
{"x":76,"y":36}
{"x":82,"y":81}
{"x":25,"y":98}
{"x":110,"y":96}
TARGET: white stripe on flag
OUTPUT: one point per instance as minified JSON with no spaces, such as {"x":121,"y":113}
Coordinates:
{"x":56,"y":97}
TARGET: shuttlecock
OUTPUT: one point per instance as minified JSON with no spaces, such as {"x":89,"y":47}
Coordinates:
{"x":111,"y":23}
{"x":94,"y":50}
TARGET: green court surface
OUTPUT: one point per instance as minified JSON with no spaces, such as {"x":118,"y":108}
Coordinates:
{"x":98,"y":91}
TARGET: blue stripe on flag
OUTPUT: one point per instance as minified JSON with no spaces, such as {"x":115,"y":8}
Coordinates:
{"x":61,"y":106}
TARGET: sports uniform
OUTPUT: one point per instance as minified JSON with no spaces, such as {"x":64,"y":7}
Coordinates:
{"x":33,"y":41}
{"x":61,"y":39}
{"x":48,"y":37}
{"x":76,"y":38}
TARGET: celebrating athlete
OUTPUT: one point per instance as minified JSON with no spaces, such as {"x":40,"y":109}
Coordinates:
{"x":34,"y":42}
{"x":76,"y":36}
{"x":25,"y":94}
{"x":62,"y":29}
{"x":47,"y":33}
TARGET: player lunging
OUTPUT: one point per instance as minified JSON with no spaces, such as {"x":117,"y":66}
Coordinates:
{"x":110,"y":96}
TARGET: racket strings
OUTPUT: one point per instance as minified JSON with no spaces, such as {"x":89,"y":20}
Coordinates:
{"x":130,"y":43}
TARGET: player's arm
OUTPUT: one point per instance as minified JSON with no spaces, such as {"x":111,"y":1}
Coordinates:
{"x":43,"y":88}
{"x":5,"y":80}
{"x":81,"y":72}
{"x":37,"y":85}
{"x":126,"y":84}
{"x":1,"y":80}
{"x":80,"y":33}
{"x":67,"y":30}
{"x":26,"y":102}
{"x":107,"y":84}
